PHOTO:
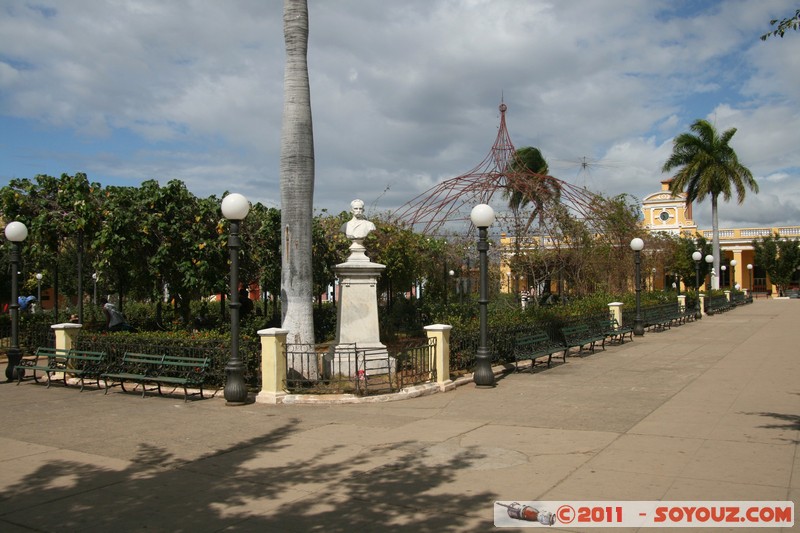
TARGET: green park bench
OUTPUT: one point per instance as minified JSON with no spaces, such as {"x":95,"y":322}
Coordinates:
{"x":611,"y":330}
{"x":51,"y":361}
{"x":535,"y":346}
{"x":158,"y":370}
{"x":578,"y":336}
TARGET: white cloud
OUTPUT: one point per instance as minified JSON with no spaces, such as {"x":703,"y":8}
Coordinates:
{"x":405,"y":94}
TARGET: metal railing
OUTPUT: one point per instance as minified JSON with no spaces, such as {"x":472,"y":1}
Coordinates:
{"x":31,"y":336}
{"x":349,"y":369}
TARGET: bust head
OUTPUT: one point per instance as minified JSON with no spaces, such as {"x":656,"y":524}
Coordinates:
{"x":357,"y":208}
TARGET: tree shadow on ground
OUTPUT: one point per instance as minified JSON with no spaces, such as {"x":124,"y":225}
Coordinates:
{"x":786,"y":421}
{"x":260,"y":484}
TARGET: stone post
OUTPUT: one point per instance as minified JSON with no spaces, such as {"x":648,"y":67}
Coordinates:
{"x":702,"y":298}
{"x":66,"y":335}
{"x":727,"y":295}
{"x":441,"y":332}
{"x":682,"y":302}
{"x":273,"y":365}
{"x":615,"y":310}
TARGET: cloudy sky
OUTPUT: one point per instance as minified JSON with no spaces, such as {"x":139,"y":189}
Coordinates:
{"x":404,"y":93}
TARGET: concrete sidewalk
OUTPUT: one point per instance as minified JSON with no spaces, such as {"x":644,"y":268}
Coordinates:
{"x":706,"y":411}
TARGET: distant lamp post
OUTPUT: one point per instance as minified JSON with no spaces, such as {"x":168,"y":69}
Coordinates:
{"x":722,"y":268}
{"x":39,"y":288}
{"x":482,"y":217}
{"x":733,"y":272}
{"x":653,"y":280}
{"x":677,"y":283}
{"x":710,"y":260}
{"x":16,"y":232}
{"x":750,"y":270}
{"x":94,"y":293}
{"x":637,"y":245}
{"x":697,"y":256}
{"x":235,"y":208}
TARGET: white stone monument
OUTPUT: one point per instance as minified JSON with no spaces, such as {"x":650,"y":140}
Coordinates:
{"x":357,"y":305}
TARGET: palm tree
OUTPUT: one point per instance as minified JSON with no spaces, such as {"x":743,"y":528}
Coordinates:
{"x":708,"y":166}
{"x":528,"y":183}
{"x":297,"y":180}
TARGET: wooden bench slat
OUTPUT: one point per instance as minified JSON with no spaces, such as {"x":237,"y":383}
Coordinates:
{"x":534,"y":346}
{"x":159,"y":369}
{"x":84,"y":364}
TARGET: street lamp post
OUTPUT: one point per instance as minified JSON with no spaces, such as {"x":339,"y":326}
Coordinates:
{"x":653,"y":280}
{"x":750,"y":270}
{"x":452,"y":276}
{"x":733,"y":272}
{"x":722,"y":268}
{"x":482,"y":217}
{"x":710,"y":260}
{"x":39,"y":288}
{"x":235,"y":208}
{"x":697,"y":256}
{"x":636,"y":245}
{"x":94,"y":292}
{"x":677,"y":283}
{"x":16,"y":232}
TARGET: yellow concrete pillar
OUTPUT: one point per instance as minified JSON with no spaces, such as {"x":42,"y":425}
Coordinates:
{"x":738,"y":269}
{"x":702,"y":298}
{"x":273,"y":365}
{"x":66,"y":335}
{"x":615,"y":310}
{"x":441,"y":332}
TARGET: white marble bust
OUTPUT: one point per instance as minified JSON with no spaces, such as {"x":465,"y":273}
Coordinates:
{"x":358,"y":227}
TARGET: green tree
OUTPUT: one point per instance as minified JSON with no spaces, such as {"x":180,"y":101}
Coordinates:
{"x":261,"y":242}
{"x":779,"y":257}
{"x":783,"y":25}
{"x":297,"y":180}
{"x":683,"y":264}
{"x":330,"y":248}
{"x":708,"y":166}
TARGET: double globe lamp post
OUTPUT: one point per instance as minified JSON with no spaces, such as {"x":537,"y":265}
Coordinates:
{"x":16,"y":232}
{"x":482,"y":217}
{"x":637,"y":245}
{"x":235,"y":208}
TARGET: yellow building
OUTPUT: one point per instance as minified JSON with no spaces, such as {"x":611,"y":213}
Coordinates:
{"x":664,"y":212}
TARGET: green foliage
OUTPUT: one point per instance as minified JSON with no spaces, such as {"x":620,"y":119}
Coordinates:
{"x":780,"y":258}
{"x":195,"y":344}
{"x":783,"y":25}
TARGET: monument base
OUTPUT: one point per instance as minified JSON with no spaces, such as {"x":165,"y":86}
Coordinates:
{"x":360,"y":360}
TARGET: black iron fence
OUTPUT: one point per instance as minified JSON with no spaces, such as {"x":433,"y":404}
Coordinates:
{"x":31,"y":336}
{"x":350,"y":369}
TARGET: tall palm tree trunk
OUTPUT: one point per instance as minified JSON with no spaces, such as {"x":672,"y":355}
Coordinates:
{"x":715,"y":242}
{"x":297,"y":184}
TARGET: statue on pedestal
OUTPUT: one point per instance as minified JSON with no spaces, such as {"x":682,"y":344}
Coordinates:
{"x":357,"y":229}
{"x":357,"y":307}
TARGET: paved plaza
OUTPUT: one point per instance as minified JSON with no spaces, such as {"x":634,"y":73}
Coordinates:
{"x":706,"y":411}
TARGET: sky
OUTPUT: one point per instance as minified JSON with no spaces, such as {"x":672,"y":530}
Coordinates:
{"x":404,"y":94}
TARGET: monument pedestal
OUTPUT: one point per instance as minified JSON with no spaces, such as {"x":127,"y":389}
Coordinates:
{"x":357,"y":318}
